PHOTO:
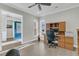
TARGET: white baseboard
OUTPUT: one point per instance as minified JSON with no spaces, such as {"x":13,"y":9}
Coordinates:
{"x":11,"y":42}
{"x":25,"y":46}
{"x":29,"y":41}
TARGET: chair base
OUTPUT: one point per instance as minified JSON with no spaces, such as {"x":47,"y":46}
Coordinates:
{"x":53,"y":45}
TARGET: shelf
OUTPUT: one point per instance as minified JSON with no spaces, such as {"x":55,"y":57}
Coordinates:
{"x":9,"y":26}
{"x":60,"y":35}
{"x":55,"y":27}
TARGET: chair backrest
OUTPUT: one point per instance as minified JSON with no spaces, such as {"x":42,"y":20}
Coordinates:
{"x":13,"y":52}
{"x":50,"y":35}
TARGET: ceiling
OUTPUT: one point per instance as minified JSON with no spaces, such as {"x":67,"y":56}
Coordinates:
{"x":46,"y":10}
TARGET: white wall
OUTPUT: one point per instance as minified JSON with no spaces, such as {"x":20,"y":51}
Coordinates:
{"x":27,"y":22}
{"x":70,"y":16}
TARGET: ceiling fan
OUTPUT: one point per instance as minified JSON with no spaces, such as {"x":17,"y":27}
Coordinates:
{"x":39,"y":5}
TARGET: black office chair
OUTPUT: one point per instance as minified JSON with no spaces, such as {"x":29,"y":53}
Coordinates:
{"x":51,"y":38}
{"x":13,"y":52}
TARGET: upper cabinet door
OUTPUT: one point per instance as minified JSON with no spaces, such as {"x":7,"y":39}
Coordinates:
{"x":62,"y":26}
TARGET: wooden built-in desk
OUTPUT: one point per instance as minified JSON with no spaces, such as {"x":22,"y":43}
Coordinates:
{"x":60,"y":26}
{"x":64,"y":42}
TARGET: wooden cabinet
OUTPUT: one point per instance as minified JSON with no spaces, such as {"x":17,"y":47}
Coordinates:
{"x":61,"y":32}
{"x":61,"y":38}
{"x":61,"y":41}
{"x":69,"y":46}
{"x":69,"y":40}
{"x":69,"y":43}
{"x":64,"y":42}
{"x":62,"y":26}
{"x":59,"y":25}
{"x":60,"y":44}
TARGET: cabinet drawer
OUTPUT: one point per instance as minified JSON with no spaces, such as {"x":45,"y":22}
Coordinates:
{"x":60,"y":44}
{"x":62,"y":39}
{"x":69,"y":40}
{"x":69,"y":46}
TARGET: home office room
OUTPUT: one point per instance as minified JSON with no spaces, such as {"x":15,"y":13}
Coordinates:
{"x":52,"y":29}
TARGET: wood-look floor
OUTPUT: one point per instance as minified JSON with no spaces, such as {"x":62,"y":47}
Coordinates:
{"x":41,"y":49}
